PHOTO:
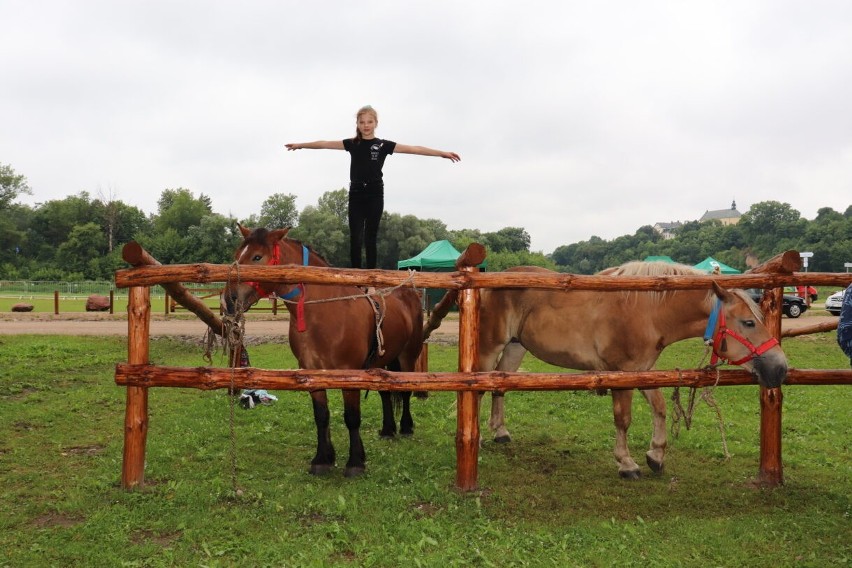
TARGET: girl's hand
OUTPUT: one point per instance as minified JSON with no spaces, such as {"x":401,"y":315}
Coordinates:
{"x":451,"y":156}
{"x":293,"y":146}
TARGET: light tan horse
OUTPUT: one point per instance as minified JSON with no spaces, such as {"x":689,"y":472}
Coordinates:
{"x":621,"y":331}
{"x":334,"y":327}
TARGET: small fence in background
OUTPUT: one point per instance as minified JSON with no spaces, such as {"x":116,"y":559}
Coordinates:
{"x":35,"y":289}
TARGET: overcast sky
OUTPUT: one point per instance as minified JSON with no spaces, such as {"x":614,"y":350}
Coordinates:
{"x":572,"y":118}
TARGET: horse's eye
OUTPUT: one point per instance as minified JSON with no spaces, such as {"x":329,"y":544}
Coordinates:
{"x":748,"y":323}
{"x":257,"y":258}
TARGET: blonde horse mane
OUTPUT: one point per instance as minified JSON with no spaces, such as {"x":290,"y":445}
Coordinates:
{"x":641,"y":268}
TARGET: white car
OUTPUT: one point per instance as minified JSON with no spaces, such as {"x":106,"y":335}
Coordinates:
{"x":833,"y":303}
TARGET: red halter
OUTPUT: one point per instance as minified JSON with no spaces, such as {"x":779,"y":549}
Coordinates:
{"x":299,"y":290}
{"x":720,"y":339}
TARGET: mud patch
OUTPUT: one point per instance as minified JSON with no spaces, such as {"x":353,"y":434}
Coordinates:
{"x":51,"y":520}
{"x":92,"y":450}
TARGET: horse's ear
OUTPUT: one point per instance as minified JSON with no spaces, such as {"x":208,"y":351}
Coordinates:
{"x":722,"y":293}
{"x":244,"y":230}
{"x":278,"y":234}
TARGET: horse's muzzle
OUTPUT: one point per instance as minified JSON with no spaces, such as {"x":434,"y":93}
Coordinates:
{"x":770,"y":370}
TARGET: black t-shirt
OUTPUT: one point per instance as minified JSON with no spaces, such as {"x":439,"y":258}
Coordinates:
{"x":368,"y":157}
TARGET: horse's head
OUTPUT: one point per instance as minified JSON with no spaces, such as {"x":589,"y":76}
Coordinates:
{"x":261,"y":247}
{"x":740,"y":337}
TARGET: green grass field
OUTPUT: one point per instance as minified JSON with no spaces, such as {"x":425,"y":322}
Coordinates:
{"x":549,"y":498}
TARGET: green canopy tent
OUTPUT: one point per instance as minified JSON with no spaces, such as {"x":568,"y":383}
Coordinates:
{"x":710,"y":263}
{"x":439,"y":256}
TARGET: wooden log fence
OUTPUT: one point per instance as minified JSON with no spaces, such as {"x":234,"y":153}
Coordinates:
{"x":138,"y":375}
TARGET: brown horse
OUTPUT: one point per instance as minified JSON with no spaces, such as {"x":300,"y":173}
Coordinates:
{"x":622,"y":331}
{"x":335,"y":327}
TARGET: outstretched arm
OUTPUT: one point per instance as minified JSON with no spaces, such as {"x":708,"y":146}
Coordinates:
{"x":318,"y":145}
{"x":424,"y":151}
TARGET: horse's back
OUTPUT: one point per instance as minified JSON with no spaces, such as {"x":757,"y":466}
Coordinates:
{"x":577,"y":329}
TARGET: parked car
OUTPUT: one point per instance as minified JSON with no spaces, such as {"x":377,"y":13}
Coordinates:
{"x":833,"y":303}
{"x":793,"y":306}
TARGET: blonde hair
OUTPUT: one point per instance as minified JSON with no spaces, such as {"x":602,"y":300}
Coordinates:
{"x":366,"y":109}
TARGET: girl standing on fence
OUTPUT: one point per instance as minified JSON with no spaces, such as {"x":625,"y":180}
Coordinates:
{"x":366,"y":187}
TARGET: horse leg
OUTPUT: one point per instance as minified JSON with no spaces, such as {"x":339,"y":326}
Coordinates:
{"x":510,"y":361}
{"x":622,"y":401}
{"x":388,"y":422}
{"x":655,"y":456}
{"x":496,"y":422}
{"x":324,"y":459}
{"x":352,"y":417}
{"x":406,"y":421}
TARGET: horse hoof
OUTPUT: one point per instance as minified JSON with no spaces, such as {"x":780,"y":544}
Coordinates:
{"x":354,"y":471}
{"x":630,"y":475}
{"x":386,"y":435}
{"x":503,"y":439}
{"x":407,"y":433}
{"x":656,"y":466}
{"x":320,"y":468}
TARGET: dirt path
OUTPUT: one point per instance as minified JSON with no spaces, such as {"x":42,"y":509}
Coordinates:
{"x":184,"y":325}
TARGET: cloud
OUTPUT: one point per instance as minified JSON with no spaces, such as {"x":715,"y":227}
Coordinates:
{"x":573,"y":119}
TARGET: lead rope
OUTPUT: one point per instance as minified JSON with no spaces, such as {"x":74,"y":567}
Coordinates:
{"x":233,"y":334}
{"x":707,"y":397}
{"x":379,"y":313}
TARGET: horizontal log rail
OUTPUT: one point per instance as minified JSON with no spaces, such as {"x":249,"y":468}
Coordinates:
{"x":200,"y":273}
{"x":211,"y":378}
{"x":807,"y":330}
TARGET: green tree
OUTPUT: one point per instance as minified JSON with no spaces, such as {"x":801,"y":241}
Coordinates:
{"x":11,"y":185}
{"x":14,"y":221}
{"x":121,"y":223}
{"x":85,"y":243}
{"x":178,"y":209}
{"x":166,"y":246}
{"x":771,"y":227}
{"x":326,"y":227}
{"x":213,"y":240}
{"x":508,"y":239}
{"x":279,"y":211}
{"x":337,"y":203}
{"x":53,"y":221}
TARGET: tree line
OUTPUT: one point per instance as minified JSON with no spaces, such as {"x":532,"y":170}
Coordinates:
{"x":80,"y":237}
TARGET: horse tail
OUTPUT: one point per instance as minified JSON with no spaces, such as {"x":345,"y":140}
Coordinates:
{"x":396,"y":396}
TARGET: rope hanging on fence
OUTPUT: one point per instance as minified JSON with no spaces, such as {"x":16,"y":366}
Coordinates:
{"x":707,"y":397}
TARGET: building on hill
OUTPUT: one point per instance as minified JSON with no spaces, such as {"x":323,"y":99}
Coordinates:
{"x":667,"y":230}
{"x":725,"y":216}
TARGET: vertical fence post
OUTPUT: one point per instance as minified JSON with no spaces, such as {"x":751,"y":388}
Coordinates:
{"x":136,"y":407}
{"x":467,"y":426}
{"x":771,"y":472}
{"x":56,"y":302}
{"x":111,"y":302}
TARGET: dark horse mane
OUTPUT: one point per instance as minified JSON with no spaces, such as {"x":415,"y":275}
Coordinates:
{"x":260,"y":235}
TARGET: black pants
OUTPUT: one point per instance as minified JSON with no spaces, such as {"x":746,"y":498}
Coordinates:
{"x":366,"y":204}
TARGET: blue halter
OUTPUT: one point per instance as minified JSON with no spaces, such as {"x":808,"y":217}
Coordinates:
{"x":298,"y":289}
{"x":711,"y":323}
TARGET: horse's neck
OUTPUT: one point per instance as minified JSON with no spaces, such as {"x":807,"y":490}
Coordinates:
{"x":687,"y":314}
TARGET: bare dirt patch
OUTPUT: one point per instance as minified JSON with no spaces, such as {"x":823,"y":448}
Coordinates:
{"x":55,"y":520}
{"x":259,"y":327}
